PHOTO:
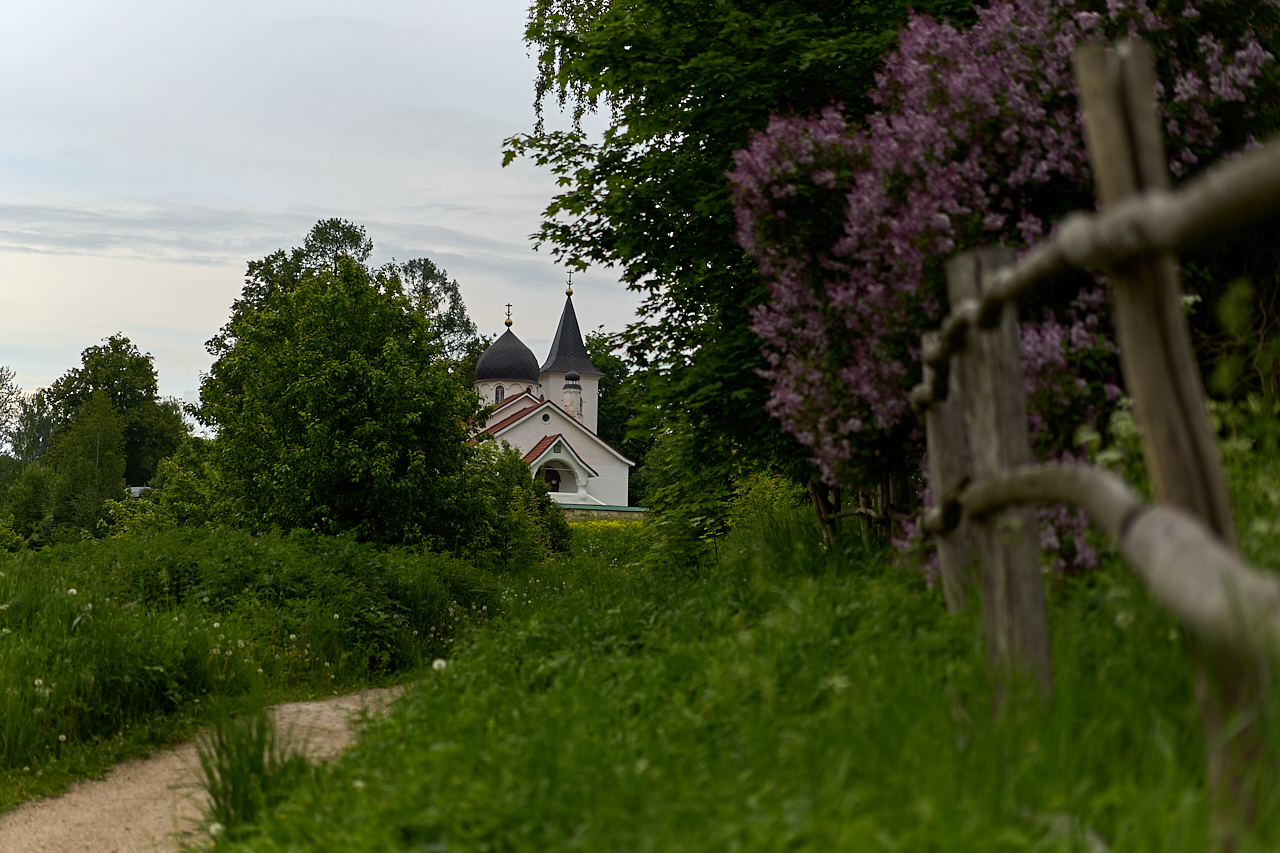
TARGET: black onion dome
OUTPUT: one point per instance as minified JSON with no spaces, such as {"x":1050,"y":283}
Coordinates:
{"x":572,"y":376}
{"x":568,"y":354}
{"x":507,"y":358}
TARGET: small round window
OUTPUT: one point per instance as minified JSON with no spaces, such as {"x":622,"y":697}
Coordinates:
{"x":546,"y":418}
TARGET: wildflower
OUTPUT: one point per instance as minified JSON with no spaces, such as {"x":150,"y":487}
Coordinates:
{"x":358,"y":784}
{"x":439,"y":664}
{"x":71,"y":591}
{"x":204,"y":600}
{"x":217,"y":624}
{"x":326,"y":663}
{"x":335,"y":616}
{"x":216,"y":829}
{"x":239,"y":644}
{"x":175,"y":619}
{"x":259,"y":670}
{"x":293,"y":638}
{"x":39,"y":682}
{"x":62,"y":738}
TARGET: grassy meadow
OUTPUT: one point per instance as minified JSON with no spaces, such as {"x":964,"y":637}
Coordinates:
{"x":785,"y":699}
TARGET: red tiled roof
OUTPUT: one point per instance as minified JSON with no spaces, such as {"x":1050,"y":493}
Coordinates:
{"x":539,"y":447}
{"x":510,"y":419}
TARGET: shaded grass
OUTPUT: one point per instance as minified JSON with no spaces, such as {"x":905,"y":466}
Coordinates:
{"x":789,"y":699}
{"x":108,"y":647}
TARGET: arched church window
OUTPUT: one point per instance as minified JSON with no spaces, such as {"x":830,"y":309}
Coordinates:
{"x":498,"y":394}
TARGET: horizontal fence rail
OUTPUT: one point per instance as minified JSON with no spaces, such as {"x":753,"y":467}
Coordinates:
{"x":974,"y":410}
{"x":1227,"y":196}
{"x":1183,"y":563}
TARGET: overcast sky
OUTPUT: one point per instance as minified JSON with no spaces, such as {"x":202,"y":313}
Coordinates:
{"x":150,"y":148}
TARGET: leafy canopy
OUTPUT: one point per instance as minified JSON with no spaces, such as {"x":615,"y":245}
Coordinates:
{"x":334,"y":410}
{"x":685,"y":83}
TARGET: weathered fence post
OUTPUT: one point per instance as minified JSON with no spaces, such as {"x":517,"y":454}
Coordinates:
{"x":995,"y":412}
{"x":948,"y":450}
{"x":1126,"y":148}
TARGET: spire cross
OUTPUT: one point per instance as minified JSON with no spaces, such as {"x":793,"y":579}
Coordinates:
{"x":508,"y":315}
{"x":568,"y":291}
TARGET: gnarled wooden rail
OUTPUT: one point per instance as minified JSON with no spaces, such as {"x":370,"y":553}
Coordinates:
{"x":1225,"y":197}
{"x":1185,"y":565}
{"x":972,"y":400}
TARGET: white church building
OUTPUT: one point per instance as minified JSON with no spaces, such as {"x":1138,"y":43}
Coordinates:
{"x":551,"y":414}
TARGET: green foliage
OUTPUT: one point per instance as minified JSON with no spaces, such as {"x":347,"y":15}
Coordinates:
{"x":63,"y":497}
{"x":686,"y":83}
{"x":621,"y":401}
{"x":152,"y":428}
{"x":10,"y":539}
{"x":247,"y":768}
{"x":792,"y":699}
{"x":89,"y":457}
{"x":439,"y":299}
{"x":334,"y":413}
{"x":185,"y":492}
{"x":761,"y":496}
{"x":1249,"y":351}
{"x":10,"y":405}
{"x":99,"y":636}
{"x":505,"y":520}
{"x":620,"y":545}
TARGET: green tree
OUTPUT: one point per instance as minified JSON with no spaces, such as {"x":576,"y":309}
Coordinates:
{"x":686,"y":83}
{"x":334,"y":410}
{"x":10,"y":403}
{"x":32,"y":427}
{"x":89,"y":457}
{"x":153,"y":428}
{"x":439,"y":298}
{"x":63,"y":495}
{"x":619,"y":406}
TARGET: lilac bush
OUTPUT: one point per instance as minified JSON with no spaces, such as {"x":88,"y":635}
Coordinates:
{"x":977,"y":141}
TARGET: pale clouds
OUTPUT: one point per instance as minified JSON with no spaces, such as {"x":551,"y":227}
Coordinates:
{"x":148,"y":149}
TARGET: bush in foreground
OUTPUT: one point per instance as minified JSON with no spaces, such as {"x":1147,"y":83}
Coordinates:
{"x":100,"y":636}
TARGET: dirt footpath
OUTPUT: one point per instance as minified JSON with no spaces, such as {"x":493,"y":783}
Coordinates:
{"x":154,"y":804}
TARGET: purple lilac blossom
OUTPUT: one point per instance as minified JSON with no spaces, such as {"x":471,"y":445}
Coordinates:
{"x":977,"y":140}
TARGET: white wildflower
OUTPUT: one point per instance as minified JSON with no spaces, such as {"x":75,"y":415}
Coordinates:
{"x":439,"y":664}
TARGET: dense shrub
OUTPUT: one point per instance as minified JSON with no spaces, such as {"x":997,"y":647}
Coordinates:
{"x":99,"y":635}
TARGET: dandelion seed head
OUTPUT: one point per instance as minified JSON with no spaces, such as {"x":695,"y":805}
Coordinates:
{"x":439,"y":664}
{"x":71,"y":591}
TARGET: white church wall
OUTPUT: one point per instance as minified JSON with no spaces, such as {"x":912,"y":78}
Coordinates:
{"x":610,"y":487}
{"x":553,"y":390}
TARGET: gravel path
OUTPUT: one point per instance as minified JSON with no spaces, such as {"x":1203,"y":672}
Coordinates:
{"x":154,"y":804}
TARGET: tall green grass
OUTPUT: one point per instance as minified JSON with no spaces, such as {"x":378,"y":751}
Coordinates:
{"x":102,"y":636}
{"x":788,"y":699}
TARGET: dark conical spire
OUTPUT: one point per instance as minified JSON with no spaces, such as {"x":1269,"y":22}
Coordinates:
{"x":568,"y":354}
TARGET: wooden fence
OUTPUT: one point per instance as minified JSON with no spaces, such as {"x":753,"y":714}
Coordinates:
{"x":981,"y":473}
